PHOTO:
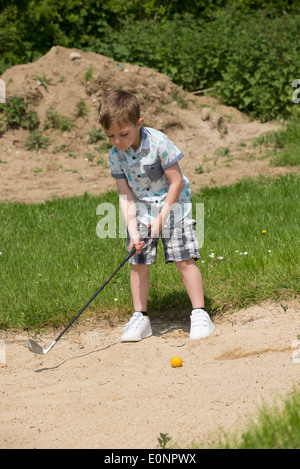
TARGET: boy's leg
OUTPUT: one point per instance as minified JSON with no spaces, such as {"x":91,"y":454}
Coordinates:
{"x":192,"y":280}
{"x":139,"y":277}
{"x":140,"y":285}
{"x":201,"y":324}
{"x":139,"y":326}
{"x":181,"y":247}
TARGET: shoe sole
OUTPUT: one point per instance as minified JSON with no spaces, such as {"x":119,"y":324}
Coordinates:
{"x":211,"y":330}
{"x":134,"y":339}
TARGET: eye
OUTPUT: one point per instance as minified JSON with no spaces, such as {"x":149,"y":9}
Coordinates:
{"x":124,"y":135}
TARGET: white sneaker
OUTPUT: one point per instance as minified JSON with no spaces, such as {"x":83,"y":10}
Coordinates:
{"x":137,"y":328}
{"x":201,"y":324}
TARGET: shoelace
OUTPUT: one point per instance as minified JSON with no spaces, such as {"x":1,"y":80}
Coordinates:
{"x":134,"y":321}
{"x":199,"y":320}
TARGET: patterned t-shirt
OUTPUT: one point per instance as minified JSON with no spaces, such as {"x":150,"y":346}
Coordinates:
{"x":144,"y":171}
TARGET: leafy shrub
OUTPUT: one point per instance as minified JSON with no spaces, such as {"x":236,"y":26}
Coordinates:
{"x":95,"y":135}
{"x":252,"y":59}
{"x":36,"y":141}
{"x":247,"y":49}
{"x":81,"y":108}
{"x":43,"y":80}
{"x":2,"y":127}
{"x":54,"y":120}
{"x":16,"y":115}
{"x":261,"y":69}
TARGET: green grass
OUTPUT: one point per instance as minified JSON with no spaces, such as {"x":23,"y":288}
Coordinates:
{"x":52,"y":261}
{"x":256,"y":266}
{"x":276,"y":426}
{"x":275,"y":429}
{"x":284,"y":144}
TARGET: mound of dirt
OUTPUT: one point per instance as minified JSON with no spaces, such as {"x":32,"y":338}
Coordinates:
{"x":216,"y":139}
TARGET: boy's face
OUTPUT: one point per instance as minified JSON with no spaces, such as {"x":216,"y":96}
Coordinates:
{"x":125,"y":135}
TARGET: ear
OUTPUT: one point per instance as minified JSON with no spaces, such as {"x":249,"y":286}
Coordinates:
{"x":140,"y":122}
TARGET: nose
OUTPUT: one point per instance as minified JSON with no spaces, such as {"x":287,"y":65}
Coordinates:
{"x":117,"y":141}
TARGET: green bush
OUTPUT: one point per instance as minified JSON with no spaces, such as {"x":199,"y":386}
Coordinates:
{"x":248,"y":50}
{"x":251,"y":59}
{"x":15,"y":115}
{"x":262,"y":65}
{"x":36,"y":141}
{"x":54,"y":120}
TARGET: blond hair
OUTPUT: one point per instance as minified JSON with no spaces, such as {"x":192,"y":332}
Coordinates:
{"x":118,"y":107}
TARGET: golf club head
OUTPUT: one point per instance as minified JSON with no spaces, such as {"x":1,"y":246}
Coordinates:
{"x":36,"y":348}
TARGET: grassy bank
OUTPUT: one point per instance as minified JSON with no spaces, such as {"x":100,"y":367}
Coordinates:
{"x":276,"y":426}
{"x":52,"y":260}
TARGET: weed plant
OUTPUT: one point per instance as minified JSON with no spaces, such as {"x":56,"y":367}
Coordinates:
{"x":54,"y":120}
{"x":14,"y":114}
{"x":36,"y":141}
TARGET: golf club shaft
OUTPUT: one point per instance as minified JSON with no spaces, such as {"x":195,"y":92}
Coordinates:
{"x":129,"y":255}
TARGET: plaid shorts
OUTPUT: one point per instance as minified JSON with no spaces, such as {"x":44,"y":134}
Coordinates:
{"x":180,"y":243}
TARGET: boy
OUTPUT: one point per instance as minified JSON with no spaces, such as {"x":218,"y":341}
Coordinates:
{"x":153,"y":193}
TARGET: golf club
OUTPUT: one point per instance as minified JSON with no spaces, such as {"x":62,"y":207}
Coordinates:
{"x":36,"y":348}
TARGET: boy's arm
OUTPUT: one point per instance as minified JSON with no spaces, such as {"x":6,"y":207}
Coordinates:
{"x":174,"y":176}
{"x":128,"y":209}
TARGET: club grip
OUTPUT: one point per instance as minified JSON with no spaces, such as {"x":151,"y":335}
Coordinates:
{"x":133,"y":250}
{"x":148,"y":234}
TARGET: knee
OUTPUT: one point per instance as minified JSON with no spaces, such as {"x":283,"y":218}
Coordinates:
{"x":184,"y":266}
{"x":140,"y":269}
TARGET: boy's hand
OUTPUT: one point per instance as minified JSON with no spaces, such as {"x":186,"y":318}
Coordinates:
{"x":137,"y":243}
{"x":156,"y":227}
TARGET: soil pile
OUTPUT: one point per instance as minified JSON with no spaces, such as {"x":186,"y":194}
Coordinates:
{"x":65,"y":88}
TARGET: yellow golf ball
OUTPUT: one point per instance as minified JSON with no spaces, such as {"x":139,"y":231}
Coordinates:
{"x":176,"y":361}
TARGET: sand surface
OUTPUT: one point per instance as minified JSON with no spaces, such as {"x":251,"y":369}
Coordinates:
{"x":91,"y":391}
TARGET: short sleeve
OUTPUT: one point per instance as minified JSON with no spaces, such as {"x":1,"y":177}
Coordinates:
{"x":115,"y":166}
{"x":169,"y":153}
